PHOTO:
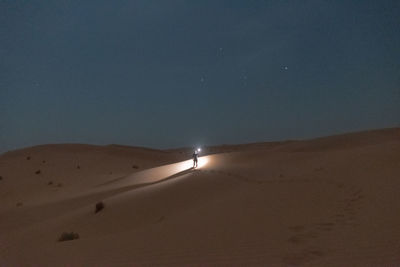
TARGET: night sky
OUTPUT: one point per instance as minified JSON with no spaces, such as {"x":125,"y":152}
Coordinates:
{"x":174,"y":73}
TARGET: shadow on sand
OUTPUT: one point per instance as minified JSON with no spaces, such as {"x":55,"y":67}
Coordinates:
{"x":176,"y":175}
{"x":112,"y":192}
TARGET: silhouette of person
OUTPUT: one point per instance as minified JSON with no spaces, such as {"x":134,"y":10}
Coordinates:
{"x":195,"y":158}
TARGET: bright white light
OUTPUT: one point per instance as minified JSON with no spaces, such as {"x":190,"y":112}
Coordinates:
{"x":199,"y":149}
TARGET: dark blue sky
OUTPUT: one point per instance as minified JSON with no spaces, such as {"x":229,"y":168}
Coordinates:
{"x":179,"y":73}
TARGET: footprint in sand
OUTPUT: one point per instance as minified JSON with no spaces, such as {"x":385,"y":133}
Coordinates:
{"x":160,"y":219}
{"x":350,"y":207}
{"x":301,"y":234}
{"x":325,"y":226}
{"x":297,"y":228}
{"x":302,"y":257}
{"x":301,"y":238}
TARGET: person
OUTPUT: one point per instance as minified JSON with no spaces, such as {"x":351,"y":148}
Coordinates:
{"x":195,"y":158}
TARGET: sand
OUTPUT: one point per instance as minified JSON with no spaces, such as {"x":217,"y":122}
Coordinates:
{"x":332,"y":201}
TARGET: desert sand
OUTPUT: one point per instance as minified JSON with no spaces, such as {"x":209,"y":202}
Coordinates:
{"x":331,"y":201}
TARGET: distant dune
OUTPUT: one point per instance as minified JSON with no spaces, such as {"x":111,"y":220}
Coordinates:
{"x":331,"y":201}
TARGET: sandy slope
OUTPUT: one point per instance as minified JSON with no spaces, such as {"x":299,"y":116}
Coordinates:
{"x":326,"y":202}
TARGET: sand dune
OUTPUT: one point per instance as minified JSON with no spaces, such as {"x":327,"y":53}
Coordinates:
{"x":330,"y":201}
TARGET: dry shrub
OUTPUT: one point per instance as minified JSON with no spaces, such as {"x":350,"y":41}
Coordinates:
{"x":68,"y":236}
{"x":99,"y":206}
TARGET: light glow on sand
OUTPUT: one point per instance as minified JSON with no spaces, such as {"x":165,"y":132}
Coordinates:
{"x":158,"y":174}
{"x":188,"y":164}
{"x":202,"y":162}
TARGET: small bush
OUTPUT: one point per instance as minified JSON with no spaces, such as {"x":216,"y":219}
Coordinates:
{"x":68,"y":236}
{"x":43,"y":161}
{"x":38,"y":172}
{"x":19,"y":204}
{"x":78,"y":167}
{"x":1,"y":177}
{"x":99,"y":206}
{"x":60,"y":185}
{"x":135,"y":167}
{"x":50,"y":183}
{"x":28,"y":158}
